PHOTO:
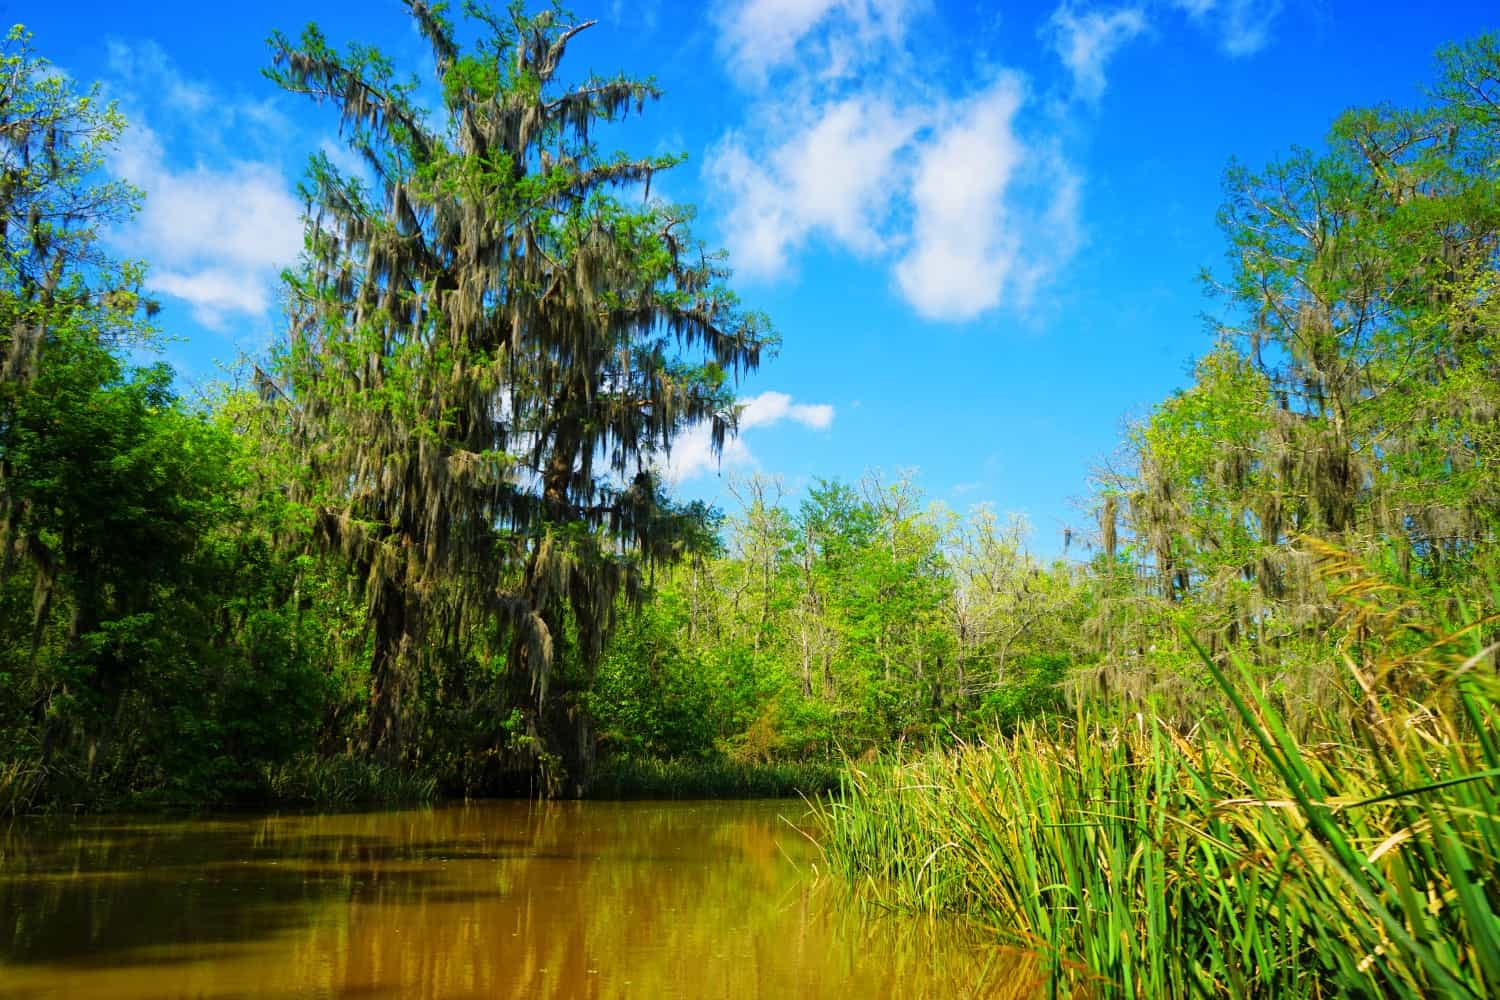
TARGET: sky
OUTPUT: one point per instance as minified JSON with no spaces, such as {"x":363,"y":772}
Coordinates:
{"x":978,"y":228}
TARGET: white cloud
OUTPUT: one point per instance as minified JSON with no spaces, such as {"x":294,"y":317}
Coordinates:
{"x":146,"y":65}
{"x":760,"y":36}
{"x":213,"y":293}
{"x":773,"y":407}
{"x":693,"y":455}
{"x":856,"y":146}
{"x":1085,"y":41}
{"x":216,"y":234}
{"x":692,"y":452}
{"x":149,"y":79}
{"x":963,"y":252}
{"x":1243,"y":26}
{"x":858,"y":138}
{"x":832,"y":175}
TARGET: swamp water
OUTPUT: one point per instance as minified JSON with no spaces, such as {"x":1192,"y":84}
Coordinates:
{"x":506,"y":899}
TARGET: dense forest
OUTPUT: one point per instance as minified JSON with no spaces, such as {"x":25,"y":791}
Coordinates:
{"x":423,"y":546}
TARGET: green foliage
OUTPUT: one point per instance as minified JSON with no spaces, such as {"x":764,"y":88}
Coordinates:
{"x":1033,"y":691}
{"x":340,"y":782}
{"x":485,"y":361}
{"x":144,"y":649}
{"x":651,"y":698}
{"x":1229,"y":860}
{"x":630,"y":777}
{"x":1352,"y":395}
{"x":859,"y":620}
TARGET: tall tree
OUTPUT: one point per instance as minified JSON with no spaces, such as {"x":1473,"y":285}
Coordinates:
{"x":487,"y":356}
{"x":55,"y":281}
{"x":1353,"y":394}
{"x":115,"y":500}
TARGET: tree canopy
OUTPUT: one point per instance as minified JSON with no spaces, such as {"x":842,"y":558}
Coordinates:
{"x":491,"y":349}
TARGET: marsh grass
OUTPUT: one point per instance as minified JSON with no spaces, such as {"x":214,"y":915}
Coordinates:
{"x":340,"y":782}
{"x":1142,"y":861}
{"x":21,"y":785}
{"x":627,"y":777}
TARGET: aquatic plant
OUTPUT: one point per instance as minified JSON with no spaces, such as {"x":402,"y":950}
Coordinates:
{"x":327,"y":782}
{"x":20,"y":784}
{"x":1225,"y":860}
{"x":628,"y":777}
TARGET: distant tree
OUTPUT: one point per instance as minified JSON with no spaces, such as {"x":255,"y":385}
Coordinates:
{"x":55,"y":281}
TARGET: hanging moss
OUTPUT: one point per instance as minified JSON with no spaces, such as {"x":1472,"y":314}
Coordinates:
{"x":490,"y":353}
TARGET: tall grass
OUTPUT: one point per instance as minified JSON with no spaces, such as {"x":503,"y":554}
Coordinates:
{"x":1141,"y":861}
{"x":20,"y":786}
{"x":650,"y":778}
{"x":340,"y":782}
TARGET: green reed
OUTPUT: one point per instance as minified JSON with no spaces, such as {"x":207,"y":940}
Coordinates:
{"x":1237,"y":861}
{"x":21,"y":785}
{"x":626,"y":777}
{"x":337,"y":782}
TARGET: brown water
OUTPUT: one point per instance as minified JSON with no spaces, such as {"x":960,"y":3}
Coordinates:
{"x":482,"y":900}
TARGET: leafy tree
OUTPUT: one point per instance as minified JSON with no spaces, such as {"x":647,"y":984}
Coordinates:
{"x":55,"y":283}
{"x":1353,"y":394}
{"x":68,"y":412}
{"x":135,"y":647}
{"x":487,"y":355}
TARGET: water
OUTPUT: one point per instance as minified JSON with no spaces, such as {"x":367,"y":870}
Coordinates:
{"x":507,"y":899}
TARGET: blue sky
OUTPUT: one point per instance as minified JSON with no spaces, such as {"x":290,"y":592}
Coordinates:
{"x":977,"y":227}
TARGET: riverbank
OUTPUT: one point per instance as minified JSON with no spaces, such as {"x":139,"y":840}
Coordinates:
{"x":625,"y":778}
{"x":1355,"y":858}
{"x":350,"y":782}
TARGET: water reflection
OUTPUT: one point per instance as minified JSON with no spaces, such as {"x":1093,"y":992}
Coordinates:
{"x":496,"y":900}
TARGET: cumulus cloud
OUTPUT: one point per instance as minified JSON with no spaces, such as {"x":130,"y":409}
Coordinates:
{"x":150,"y":81}
{"x":1086,"y":40}
{"x":773,"y":407}
{"x":761,"y":36}
{"x":216,"y":234}
{"x":1243,"y":26}
{"x":212,"y":292}
{"x":693,"y":455}
{"x":856,"y":139}
{"x":962,"y":251}
{"x":692,"y":452}
{"x":832,"y":174}
{"x":147,"y":64}
{"x":857,"y":148}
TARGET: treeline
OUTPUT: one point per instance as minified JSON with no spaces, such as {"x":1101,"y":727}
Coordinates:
{"x":1350,"y":398}
{"x":422,"y":544}
{"x":1294,"y":595}
{"x":860,"y":618}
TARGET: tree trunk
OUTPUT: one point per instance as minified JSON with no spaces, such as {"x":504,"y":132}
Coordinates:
{"x":392,"y":642}
{"x":806,"y":662}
